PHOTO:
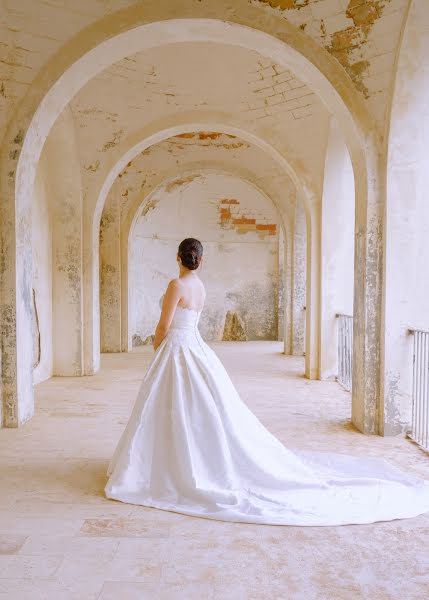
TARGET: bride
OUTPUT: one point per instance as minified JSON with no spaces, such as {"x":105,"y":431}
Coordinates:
{"x":192,"y":446}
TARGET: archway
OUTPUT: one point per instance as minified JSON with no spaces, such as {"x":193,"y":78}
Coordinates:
{"x":126,"y":152}
{"x":116,"y":270}
{"x":340,"y":99}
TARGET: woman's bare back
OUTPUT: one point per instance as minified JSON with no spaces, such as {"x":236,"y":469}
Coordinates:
{"x":193,"y":293}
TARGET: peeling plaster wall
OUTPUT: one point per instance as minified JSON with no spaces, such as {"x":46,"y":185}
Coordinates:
{"x":238,"y":227}
{"x":407,"y":225}
{"x":337,"y":248}
{"x":42,"y":276}
{"x":263,"y":97}
{"x":363,"y":35}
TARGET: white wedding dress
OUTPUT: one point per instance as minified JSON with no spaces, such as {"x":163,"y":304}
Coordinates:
{"x":192,"y":446}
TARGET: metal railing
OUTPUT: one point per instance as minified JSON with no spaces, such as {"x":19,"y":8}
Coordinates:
{"x":420,"y":410}
{"x":345,"y":350}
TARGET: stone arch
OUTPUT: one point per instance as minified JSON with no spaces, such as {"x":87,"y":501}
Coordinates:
{"x":158,"y":132}
{"x":135,"y":210}
{"x":126,"y":32}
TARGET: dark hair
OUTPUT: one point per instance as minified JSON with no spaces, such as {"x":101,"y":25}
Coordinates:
{"x":190,"y":253}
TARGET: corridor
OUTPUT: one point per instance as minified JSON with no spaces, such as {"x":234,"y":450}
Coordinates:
{"x":60,"y":539}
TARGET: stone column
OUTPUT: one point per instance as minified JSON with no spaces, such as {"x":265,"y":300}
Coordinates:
{"x":66,"y":205}
{"x":285,"y":250}
{"x":281,"y":286}
{"x":299,"y":273}
{"x":312,"y":322}
{"x":367,"y":303}
{"x":16,"y":276}
{"x":337,"y":245}
{"x":110,"y":274}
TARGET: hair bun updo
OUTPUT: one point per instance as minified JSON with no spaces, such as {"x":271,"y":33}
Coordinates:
{"x":190,"y":253}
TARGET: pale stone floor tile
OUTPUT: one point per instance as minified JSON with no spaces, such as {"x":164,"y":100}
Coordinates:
{"x":24,"y":596}
{"x":61,"y":539}
{"x":185,"y":573}
{"x":114,"y":569}
{"x":144,"y":547}
{"x":124,"y":527}
{"x":16,"y":566}
{"x":197,"y":526}
{"x":229,"y":591}
{"x":27,"y":525}
{"x":49,"y":589}
{"x":70,"y":546}
{"x":72,"y":510}
{"x":139,"y":591}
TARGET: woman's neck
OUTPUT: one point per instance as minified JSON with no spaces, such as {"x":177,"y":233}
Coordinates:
{"x":183,"y":271}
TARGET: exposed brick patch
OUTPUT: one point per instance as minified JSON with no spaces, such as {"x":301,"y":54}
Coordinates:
{"x":287,"y":4}
{"x":230,"y":217}
{"x":276,"y":91}
{"x":267,"y":227}
{"x":244,"y":221}
{"x":229,"y":201}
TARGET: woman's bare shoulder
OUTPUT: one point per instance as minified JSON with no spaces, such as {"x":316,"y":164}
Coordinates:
{"x":175,"y":283}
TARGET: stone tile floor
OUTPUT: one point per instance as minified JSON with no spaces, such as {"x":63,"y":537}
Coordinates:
{"x":60,"y":539}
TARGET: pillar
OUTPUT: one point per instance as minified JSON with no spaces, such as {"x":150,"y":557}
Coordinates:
{"x":66,"y":205}
{"x":299,"y":272}
{"x":312,"y":315}
{"x":110,"y":274}
{"x":337,"y":247}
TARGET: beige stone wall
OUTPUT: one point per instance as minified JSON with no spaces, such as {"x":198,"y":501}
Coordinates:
{"x":361,"y":36}
{"x":238,"y":227}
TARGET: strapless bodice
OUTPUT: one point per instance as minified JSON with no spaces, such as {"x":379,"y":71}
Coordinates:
{"x":185,"y":318}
